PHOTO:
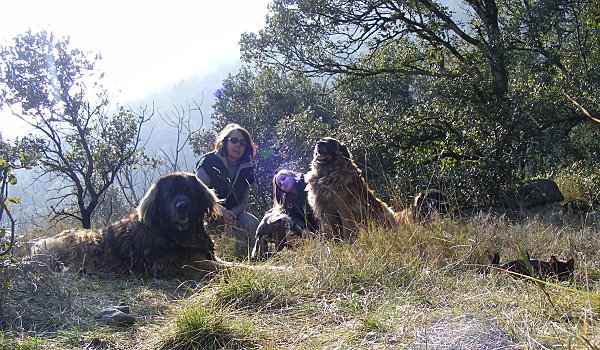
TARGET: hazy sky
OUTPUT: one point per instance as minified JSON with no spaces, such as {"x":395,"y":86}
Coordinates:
{"x":145,"y":45}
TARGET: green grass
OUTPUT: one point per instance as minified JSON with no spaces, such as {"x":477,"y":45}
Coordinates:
{"x":419,"y":287}
{"x":200,"y":326}
{"x":19,"y":342}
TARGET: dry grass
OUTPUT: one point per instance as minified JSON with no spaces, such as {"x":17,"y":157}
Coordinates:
{"x":420,"y":288}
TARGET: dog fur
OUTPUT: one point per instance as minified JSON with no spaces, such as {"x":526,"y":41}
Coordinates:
{"x":340,"y":197}
{"x":163,"y":236}
{"x":551,"y":269}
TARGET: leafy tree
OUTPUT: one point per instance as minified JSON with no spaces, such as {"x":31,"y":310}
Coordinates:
{"x":487,"y":83}
{"x":57,"y":90}
{"x":373,"y":121}
{"x":20,"y":154}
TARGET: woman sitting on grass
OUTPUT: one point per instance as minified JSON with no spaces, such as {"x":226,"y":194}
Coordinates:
{"x":290,"y":218}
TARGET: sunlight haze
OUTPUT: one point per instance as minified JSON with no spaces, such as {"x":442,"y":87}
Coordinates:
{"x":145,"y":45}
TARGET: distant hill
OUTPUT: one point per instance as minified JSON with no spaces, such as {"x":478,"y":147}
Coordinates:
{"x":184,"y":94}
{"x":177,"y":100}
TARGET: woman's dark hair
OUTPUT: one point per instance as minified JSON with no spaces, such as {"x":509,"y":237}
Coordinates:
{"x":221,"y":141}
{"x":278,"y":193}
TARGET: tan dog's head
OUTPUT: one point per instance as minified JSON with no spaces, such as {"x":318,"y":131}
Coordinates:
{"x":329,"y":150}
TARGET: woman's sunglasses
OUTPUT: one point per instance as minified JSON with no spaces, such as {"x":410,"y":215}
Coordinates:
{"x":235,"y":141}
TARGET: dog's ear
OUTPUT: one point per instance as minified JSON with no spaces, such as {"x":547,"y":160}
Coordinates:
{"x":211,"y":206}
{"x":496,"y":259}
{"x":146,"y":209}
{"x":214,"y":208}
{"x":344,"y":151}
{"x":571,"y":264}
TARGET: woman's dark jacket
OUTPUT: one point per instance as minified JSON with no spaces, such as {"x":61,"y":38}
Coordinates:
{"x":232,"y":190}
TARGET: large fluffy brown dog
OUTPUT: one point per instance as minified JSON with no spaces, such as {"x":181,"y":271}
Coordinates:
{"x":164,"y":236}
{"x":340,"y":197}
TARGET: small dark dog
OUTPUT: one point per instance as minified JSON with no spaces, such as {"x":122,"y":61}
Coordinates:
{"x":551,"y":269}
{"x":428,"y":205}
{"x":273,"y":228}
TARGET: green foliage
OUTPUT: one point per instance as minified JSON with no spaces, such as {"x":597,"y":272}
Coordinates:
{"x":57,"y":90}
{"x":248,"y":288}
{"x":374,"y":323}
{"x":27,"y":343}
{"x":579,"y":181}
{"x":202,"y":141}
{"x":297,"y":135}
{"x":472,"y":106}
{"x":20,"y":154}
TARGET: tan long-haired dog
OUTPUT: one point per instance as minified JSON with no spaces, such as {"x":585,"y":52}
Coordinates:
{"x":163,"y":236}
{"x":340,"y":197}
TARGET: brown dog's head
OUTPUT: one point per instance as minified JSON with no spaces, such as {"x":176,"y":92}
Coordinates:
{"x":328,"y":150}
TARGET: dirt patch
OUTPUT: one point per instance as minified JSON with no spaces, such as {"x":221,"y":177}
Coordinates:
{"x":464,"y":332}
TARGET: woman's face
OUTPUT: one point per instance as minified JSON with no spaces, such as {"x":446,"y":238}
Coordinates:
{"x":235,"y":145}
{"x":286,"y":183}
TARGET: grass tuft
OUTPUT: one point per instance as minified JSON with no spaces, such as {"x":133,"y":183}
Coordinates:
{"x":202,"y":327}
{"x":246,"y":288}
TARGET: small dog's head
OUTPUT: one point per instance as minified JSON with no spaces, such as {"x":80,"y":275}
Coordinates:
{"x":562,"y":269}
{"x":328,"y":150}
{"x":429,"y":204}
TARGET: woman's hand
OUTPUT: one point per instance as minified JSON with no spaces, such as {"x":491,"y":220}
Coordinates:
{"x":306,"y":233}
{"x":228,"y":217}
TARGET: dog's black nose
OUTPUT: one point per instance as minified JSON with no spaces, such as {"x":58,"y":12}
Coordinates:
{"x":181,"y":206}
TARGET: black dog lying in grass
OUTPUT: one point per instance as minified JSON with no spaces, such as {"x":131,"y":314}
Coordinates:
{"x":551,"y":269}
